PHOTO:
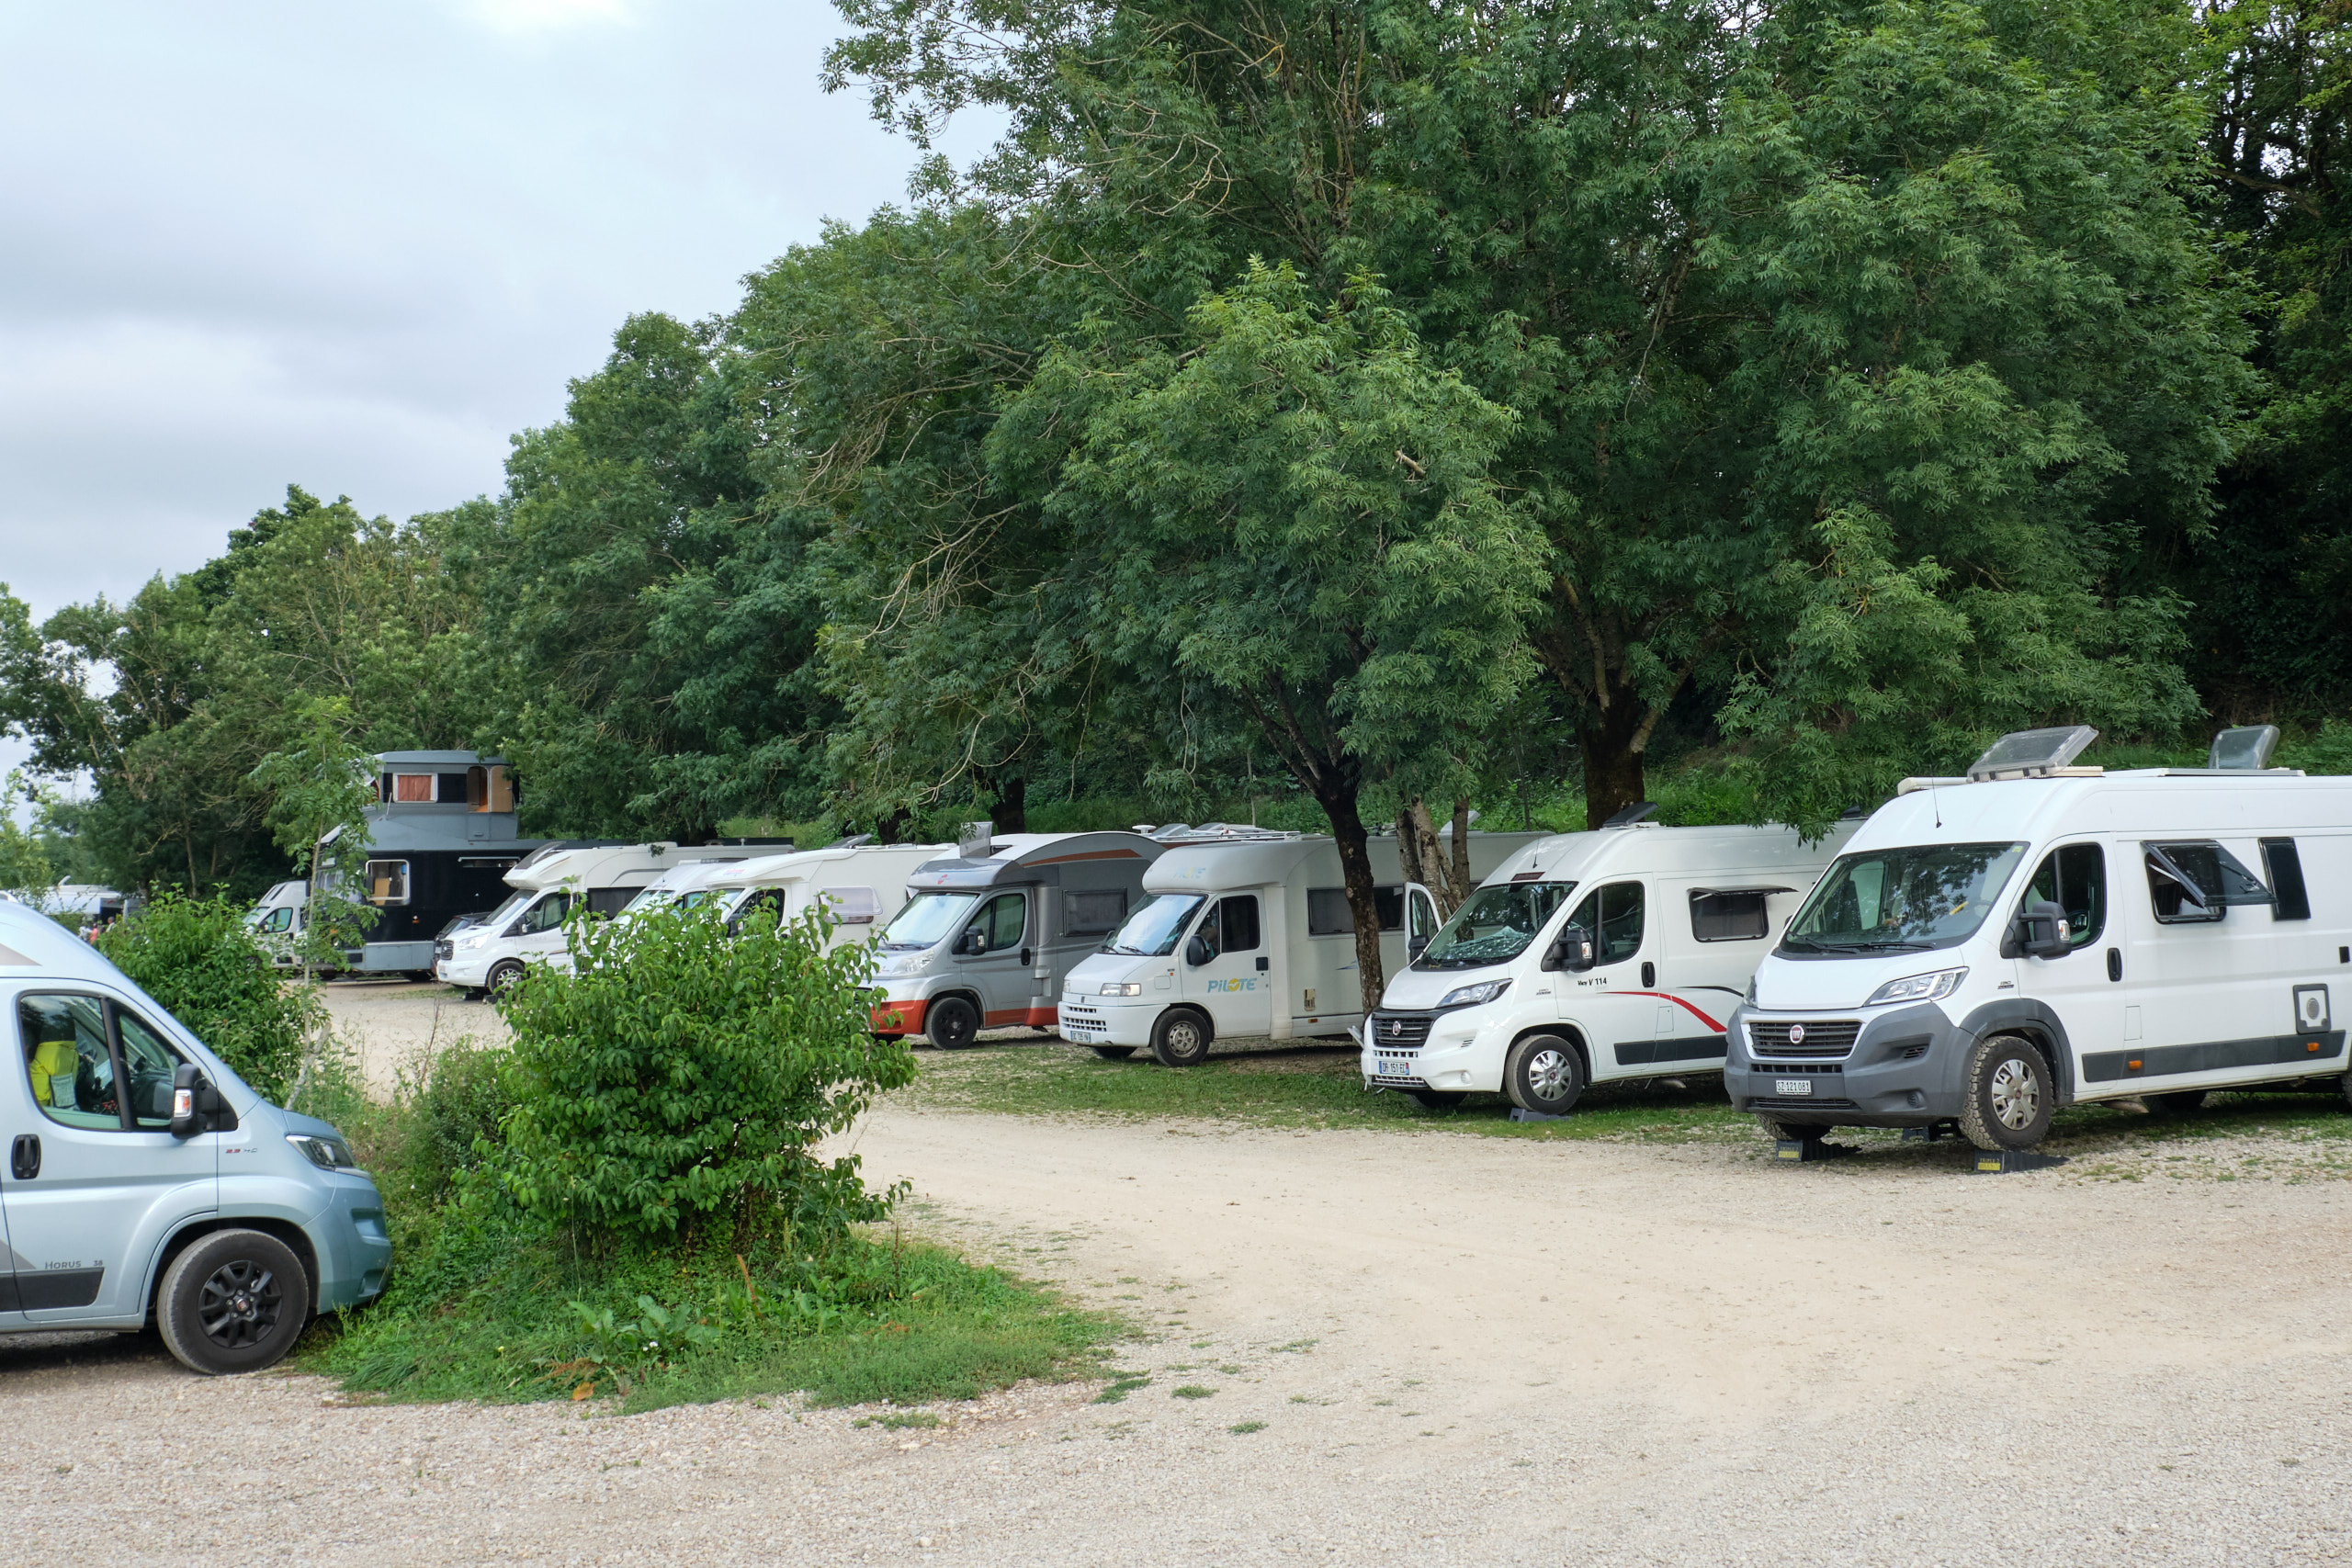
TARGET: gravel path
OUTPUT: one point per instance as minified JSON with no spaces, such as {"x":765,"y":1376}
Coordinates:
{"x":1416,"y":1348}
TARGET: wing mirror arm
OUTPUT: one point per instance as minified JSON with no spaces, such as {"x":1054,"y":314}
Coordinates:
{"x":197,"y":1104}
{"x":1571,"y":951}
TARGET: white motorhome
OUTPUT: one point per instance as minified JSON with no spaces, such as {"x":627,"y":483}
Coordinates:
{"x":1249,"y":936}
{"x":987,"y":933}
{"x":688,"y":885}
{"x":1611,"y":955}
{"x":528,"y":928}
{"x":2036,"y":934}
{"x":861,"y":887}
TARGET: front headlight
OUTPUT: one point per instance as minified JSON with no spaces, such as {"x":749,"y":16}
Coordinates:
{"x":327,"y":1154}
{"x":1930,"y":987}
{"x":1471,"y":996}
{"x":1123,"y":987}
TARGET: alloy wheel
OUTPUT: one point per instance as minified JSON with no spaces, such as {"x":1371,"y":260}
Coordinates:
{"x":238,"y":1306}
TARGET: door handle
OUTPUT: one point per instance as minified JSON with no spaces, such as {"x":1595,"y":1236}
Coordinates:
{"x":2114,"y":963}
{"x":24,"y":1158}
{"x":1025,"y":953}
{"x":1649,"y":975}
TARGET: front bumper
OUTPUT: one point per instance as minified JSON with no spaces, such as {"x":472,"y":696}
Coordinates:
{"x":1902,"y":1071}
{"x":1455,"y":1051}
{"x":355,"y":1253}
{"x":466,"y":969}
{"x":1106,"y":1021}
{"x":897,"y":1018}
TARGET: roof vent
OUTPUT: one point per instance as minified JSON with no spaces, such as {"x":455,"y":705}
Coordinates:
{"x":2031,"y":753}
{"x":975,"y":841}
{"x":2246,"y":749}
{"x":1632,"y":814}
{"x":856,"y":840}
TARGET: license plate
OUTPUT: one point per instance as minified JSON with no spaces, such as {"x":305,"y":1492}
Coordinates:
{"x":1793,"y":1086}
{"x":1394,"y":1067}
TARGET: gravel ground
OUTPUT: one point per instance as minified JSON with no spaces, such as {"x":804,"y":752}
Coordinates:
{"x":1409,"y":1346}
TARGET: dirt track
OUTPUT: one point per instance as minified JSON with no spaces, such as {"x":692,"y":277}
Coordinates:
{"x":1462,"y":1350}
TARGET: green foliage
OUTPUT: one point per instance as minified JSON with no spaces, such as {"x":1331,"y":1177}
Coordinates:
{"x":25,"y":865}
{"x":678,"y":1079}
{"x":320,"y":787}
{"x":197,"y":959}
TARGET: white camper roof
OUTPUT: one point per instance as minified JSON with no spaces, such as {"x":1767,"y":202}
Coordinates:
{"x":774,"y":871}
{"x":1214,"y":867}
{"x":1650,"y":847}
{"x":1016,"y":859}
{"x":2140,"y":800}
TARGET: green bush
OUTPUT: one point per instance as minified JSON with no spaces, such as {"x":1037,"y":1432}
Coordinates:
{"x":201,"y":963}
{"x":677,"y":1081}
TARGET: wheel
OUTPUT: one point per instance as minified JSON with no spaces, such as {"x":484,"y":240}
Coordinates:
{"x":503,"y":977}
{"x":2179,"y":1103}
{"x":1781,"y":1132}
{"x":2007,"y":1100}
{"x":1440,"y":1098}
{"x":1114,"y":1052}
{"x":1544,"y":1074}
{"x":1181,"y":1038}
{"x":952,"y":1022}
{"x":234,"y":1302}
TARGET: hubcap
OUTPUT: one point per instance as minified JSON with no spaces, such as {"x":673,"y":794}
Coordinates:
{"x":1549,"y":1073}
{"x":238,"y":1306}
{"x":1183,"y":1039}
{"x":2016,"y":1098}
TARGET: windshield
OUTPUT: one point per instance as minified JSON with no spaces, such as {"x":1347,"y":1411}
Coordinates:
{"x":1494,"y":926}
{"x":1152,"y":931}
{"x":514,"y":901}
{"x":1903,"y":900}
{"x":928,"y":919}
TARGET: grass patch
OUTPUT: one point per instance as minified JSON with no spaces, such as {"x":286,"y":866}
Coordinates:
{"x":1190,"y":1390}
{"x":899,"y":1420}
{"x":1258,"y":1083}
{"x":508,"y":1316}
{"x":1121,"y":1385}
{"x":1243,"y":1429}
{"x":1311,"y":1085}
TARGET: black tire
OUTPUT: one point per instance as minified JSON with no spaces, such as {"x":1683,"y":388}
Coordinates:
{"x":502,"y":978}
{"x":2179,"y":1103}
{"x":2007,"y":1098}
{"x":1182,"y":1038}
{"x":1440,"y":1098}
{"x":234,"y":1302}
{"x":952,"y":1022}
{"x":1544,"y":1074}
{"x":1114,"y":1052}
{"x":1789,"y":1132}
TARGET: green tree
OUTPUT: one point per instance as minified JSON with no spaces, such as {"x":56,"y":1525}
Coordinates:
{"x":201,"y":963}
{"x":319,"y":788}
{"x":1783,"y":302}
{"x":1294,"y":526}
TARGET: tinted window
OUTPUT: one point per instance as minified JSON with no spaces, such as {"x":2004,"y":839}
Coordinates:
{"x":1089,"y":912}
{"x":765,"y":902}
{"x":2284,"y":866}
{"x":1729,"y":917}
{"x":1239,"y":916}
{"x":2196,"y":881}
{"x":1006,"y":916}
{"x":606,"y":902}
{"x":1328,"y":914}
{"x":1613,"y":915}
{"x":2073,"y":877}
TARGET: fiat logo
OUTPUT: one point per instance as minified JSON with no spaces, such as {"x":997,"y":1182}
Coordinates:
{"x":1796,"y":1034}
{"x":1396,"y":1026}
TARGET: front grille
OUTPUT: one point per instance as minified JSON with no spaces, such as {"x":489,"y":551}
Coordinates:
{"x":1398,"y":1030}
{"x":1080,"y":1010}
{"x":1808,"y":1068}
{"x":1770,"y":1037}
{"x":445,"y":950}
{"x":1799,"y":1104}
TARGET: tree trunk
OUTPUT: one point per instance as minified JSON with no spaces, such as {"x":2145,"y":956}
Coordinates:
{"x":1409,"y":843}
{"x":1463,"y":885}
{"x":890,"y":827}
{"x":1010,"y":810}
{"x":1612,"y":760}
{"x":1355,"y":873}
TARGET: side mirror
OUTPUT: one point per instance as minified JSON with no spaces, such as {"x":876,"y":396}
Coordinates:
{"x":1572,"y":950}
{"x":971,"y":942}
{"x":1196,"y":952}
{"x":198,"y":1105}
{"x":2045,"y":933}
{"x":1415,"y":946}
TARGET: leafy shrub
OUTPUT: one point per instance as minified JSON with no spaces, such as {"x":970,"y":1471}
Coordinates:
{"x":200,"y":962}
{"x":677,"y":1081}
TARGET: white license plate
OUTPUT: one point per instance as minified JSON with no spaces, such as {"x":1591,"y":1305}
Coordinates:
{"x":1394,"y":1067}
{"x":1793,"y":1086}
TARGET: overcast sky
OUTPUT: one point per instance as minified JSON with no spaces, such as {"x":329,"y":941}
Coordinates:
{"x":354,"y":248}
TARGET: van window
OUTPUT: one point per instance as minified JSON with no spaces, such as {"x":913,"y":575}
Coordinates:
{"x":2073,"y":877}
{"x":2284,"y":866}
{"x":2193,"y":881}
{"x":67,"y":1062}
{"x":1729,"y":917}
{"x":1003,"y":920}
{"x":605,"y":902}
{"x":1086,"y":913}
{"x":1152,"y":931}
{"x":1613,"y":915}
{"x":1494,"y":925}
{"x":387,"y":882}
{"x":766,"y":902}
{"x":1919,"y":897}
{"x":852,"y":906}
{"x":413,"y":788}
{"x":543,"y":916}
{"x":1240,"y":917}
{"x":148,"y":1066}
{"x":1327,"y":911}
{"x":281,"y":919}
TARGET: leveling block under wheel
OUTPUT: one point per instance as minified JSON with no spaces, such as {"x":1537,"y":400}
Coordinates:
{"x":1519,"y":1114}
{"x":1998,"y":1162}
{"x":1809,"y":1150}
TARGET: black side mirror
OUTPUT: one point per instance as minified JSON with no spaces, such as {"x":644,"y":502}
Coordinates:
{"x":1572,"y":950}
{"x":1415,"y":946}
{"x":198,"y":1105}
{"x":1196,"y":952}
{"x":2045,"y":933}
{"x":971,"y":942}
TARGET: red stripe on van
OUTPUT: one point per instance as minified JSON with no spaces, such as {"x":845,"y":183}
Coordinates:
{"x":1677,"y":1001}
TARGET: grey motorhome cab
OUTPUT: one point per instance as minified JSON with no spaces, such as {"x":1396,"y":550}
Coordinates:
{"x":988,"y":933}
{"x":1988,"y":948}
{"x":148,"y":1184}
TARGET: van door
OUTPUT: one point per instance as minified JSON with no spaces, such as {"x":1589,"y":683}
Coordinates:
{"x":1608,"y":1001}
{"x":538,"y":933}
{"x":998,"y":947}
{"x":2085,"y":988}
{"x":1225,"y":964}
{"x":96,"y":1179}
